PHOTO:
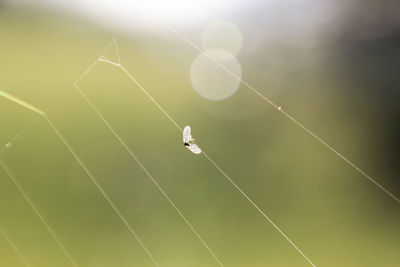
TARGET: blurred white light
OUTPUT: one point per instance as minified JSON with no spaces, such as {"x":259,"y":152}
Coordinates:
{"x":128,"y":14}
{"x":222,"y":35}
{"x":210,"y":80}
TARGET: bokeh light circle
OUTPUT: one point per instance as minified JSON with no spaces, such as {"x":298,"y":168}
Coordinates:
{"x":210,"y":80}
{"x":222,"y":35}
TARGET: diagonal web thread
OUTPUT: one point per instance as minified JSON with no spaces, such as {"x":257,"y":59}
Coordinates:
{"x":209,"y":159}
{"x":279,"y":109}
{"x":105,"y":60}
{"x":36,"y":211}
{"x":102,"y":191}
{"x":57,"y":100}
{"x":112,"y":44}
{"x":153,"y":180}
{"x":38,"y":111}
{"x":43,"y":114}
{"x":15,"y":249}
{"x":147,"y":173}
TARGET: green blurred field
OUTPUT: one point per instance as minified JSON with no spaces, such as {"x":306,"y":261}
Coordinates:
{"x":330,"y":211}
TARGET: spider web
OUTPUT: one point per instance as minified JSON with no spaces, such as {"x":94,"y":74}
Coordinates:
{"x":111,"y":56}
{"x":105,"y":59}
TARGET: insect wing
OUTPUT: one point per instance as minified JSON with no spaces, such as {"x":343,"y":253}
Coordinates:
{"x":186,"y":134}
{"x":194,"y":148}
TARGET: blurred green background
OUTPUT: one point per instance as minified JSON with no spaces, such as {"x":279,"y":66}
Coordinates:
{"x":343,"y":88}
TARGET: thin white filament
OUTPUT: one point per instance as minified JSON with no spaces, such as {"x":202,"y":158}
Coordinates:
{"x":43,"y":114}
{"x":14,"y":180}
{"x":32,"y":122}
{"x":16,"y":250}
{"x":278,"y":108}
{"x":150,"y":97}
{"x":116,"y":50}
{"x":211,"y":161}
{"x":20,"y":102}
{"x":146,"y":172}
{"x":102,"y":191}
{"x":86,"y":170}
{"x":255,"y":205}
{"x":102,"y":59}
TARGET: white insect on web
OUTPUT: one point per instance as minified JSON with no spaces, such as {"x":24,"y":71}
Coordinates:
{"x":280,"y":109}
{"x":44,"y":115}
{"x":191,"y":144}
{"x":188,"y":141}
